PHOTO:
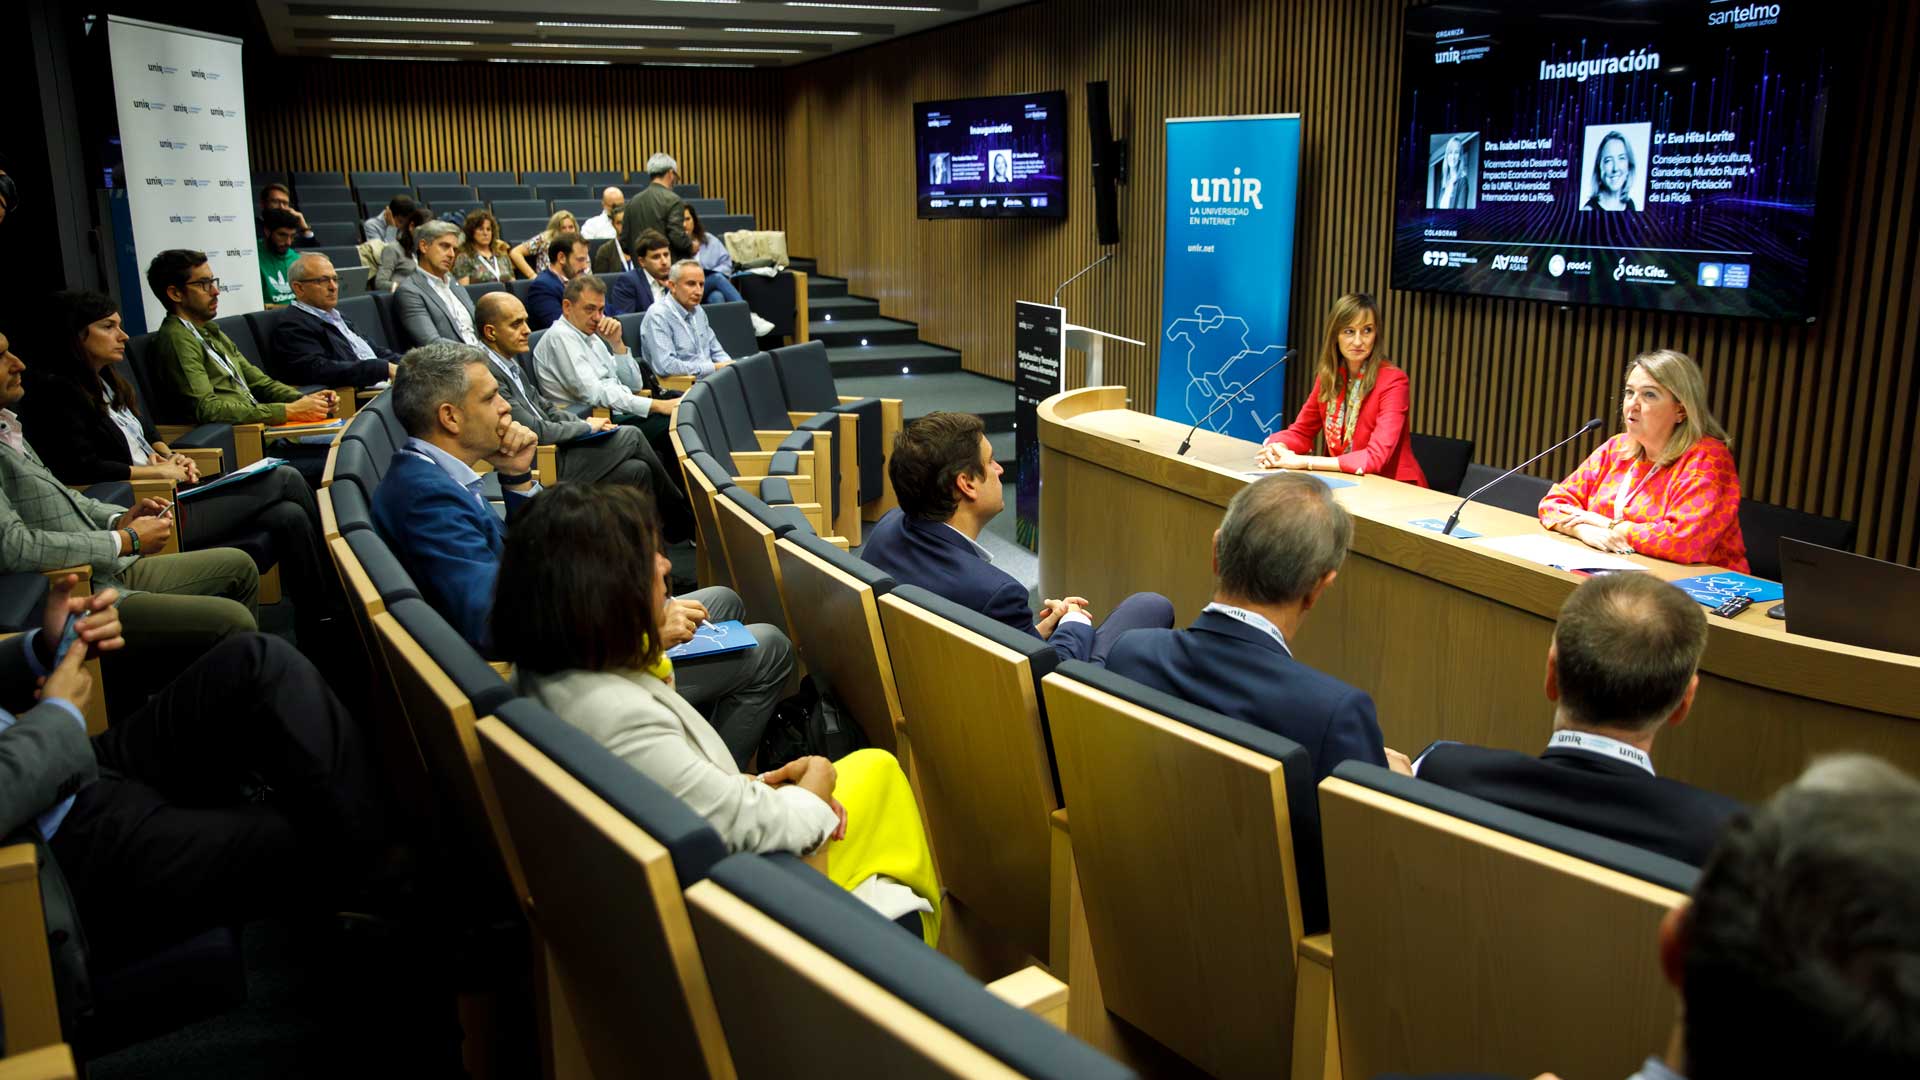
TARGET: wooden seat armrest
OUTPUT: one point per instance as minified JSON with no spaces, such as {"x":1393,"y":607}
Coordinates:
{"x":839,"y":542}
{"x":249,"y":443}
{"x":546,"y":464}
{"x":800,"y":486}
{"x":771,"y":440}
{"x":677,"y":382}
{"x":85,"y":585}
{"x":367,"y":395}
{"x":47,"y":1063}
{"x":1318,"y":949}
{"x":206,"y":458}
{"x":761,"y":458}
{"x":502,"y":668}
{"x":346,"y":400}
{"x":26,"y":970}
{"x":1033,"y":990}
{"x":601,"y":412}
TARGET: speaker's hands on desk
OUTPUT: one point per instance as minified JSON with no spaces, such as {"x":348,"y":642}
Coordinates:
{"x":1600,"y":538}
{"x":1276,"y":456}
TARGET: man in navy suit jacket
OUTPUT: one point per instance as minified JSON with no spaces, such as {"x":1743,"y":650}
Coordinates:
{"x":567,"y":257}
{"x":429,"y":506}
{"x":948,"y":485}
{"x":632,"y":291}
{"x":1623,"y":664}
{"x":1279,"y":546}
{"x":314,"y":344}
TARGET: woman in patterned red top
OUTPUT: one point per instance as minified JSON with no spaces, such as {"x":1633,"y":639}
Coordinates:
{"x":1664,"y":487}
{"x":1359,"y":401}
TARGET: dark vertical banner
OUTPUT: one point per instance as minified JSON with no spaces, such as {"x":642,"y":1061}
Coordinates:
{"x":1039,"y":348}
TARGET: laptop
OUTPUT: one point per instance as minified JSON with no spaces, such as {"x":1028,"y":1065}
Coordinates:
{"x":1852,"y":599}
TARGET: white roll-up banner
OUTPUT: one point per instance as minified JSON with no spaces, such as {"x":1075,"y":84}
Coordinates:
{"x":183,"y":140}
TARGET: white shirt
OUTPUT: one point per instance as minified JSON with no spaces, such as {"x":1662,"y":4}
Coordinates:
{"x":462,"y":322}
{"x":339,"y":322}
{"x":578,"y":369}
{"x":987,"y":556}
{"x":1254,"y":619}
{"x":597,"y":227}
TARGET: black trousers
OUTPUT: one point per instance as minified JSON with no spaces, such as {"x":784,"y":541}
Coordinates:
{"x":238,"y":791}
{"x":279,"y":503}
{"x":669,"y":491}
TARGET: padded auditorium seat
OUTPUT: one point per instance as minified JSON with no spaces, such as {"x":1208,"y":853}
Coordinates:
{"x":556,"y":192}
{"x":685,"y":191}
{"x":444,"y":178}
{"x":492,"y":178}
{"x":377,"y":186}
{"x":334,"y":233}
{"x":317,"y":213}
{"x":735,"y":450}
{"x":494,"y":193}
{"x":601,"y":179}
{"x":448,"y":196}
{"x":1763,"y":524}
{"x":1519,"y":493}
{"x":748,"y":530}
{"x":526,"y":207}
{"x":767,"y":411}
{"x":1444,"y":460}
{"x":537,"y":177}
{"x":732,"y":323}
{"x":833,"y":605}
{"x":768,"y":931}
{"x":806,"y":376}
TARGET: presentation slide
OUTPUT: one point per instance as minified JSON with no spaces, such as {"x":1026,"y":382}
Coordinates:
{"x":1662,"y":154}
{"x":993,"y":156}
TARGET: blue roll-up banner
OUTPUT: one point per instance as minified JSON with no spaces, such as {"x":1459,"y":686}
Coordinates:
{"x":1232,"y":182}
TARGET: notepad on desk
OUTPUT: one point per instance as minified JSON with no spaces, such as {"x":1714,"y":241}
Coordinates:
{"x":1559,"y":554}
{"x":1716,"y":589}
{"x":714,"y":639}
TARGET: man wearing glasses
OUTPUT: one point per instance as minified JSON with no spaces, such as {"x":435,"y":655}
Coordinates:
{"x":314,"y":344}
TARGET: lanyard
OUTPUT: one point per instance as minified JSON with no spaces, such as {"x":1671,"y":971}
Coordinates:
{"x":1254,"y":619}
{"x":225,"y":364}
{"x":1624,"y":493}
{"x":493,"y":266}
{"x":1603,"y":746}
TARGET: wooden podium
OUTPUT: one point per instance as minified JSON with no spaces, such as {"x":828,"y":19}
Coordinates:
{"x":1449,"y":637}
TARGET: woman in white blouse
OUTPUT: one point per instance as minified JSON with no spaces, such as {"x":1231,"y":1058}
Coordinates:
{"x":582,"y":610}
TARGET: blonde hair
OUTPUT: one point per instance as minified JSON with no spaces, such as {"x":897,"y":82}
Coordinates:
{"x":1676,"y":372}
{"x":554,"y":227}
{"x":1331,"y":363}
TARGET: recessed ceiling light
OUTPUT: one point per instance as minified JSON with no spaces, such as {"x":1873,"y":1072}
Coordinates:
{"x":570,"y":45}
{"x":609,"y":26}
{"x":542,"y":60}
{"x":411,"y":19}
{"x":858,"y":7}
{"x":790,"y":30}
{"x":369,"y":56}
{"x":392,"y":41}
{"x":715,"y":48}
{"x":693,"y":64}
{"x":699,"y":1}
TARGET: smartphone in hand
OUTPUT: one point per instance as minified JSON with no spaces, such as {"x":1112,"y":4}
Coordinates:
{"x":69,"y":635}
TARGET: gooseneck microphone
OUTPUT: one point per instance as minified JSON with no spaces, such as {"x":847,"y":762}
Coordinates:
{"x":1454,"y":518}
{"x":1187,"y":443}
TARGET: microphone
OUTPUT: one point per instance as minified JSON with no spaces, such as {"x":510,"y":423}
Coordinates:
{"x":1187,"y":443}
{"x":1454,"y":518}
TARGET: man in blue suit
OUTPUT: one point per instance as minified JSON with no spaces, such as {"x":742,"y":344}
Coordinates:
{"x":1276,"y":551}
{"x":948,"y":485}
{"x":567,"y":258}
{"x":429,"y":506}
{"x":635,"y":289}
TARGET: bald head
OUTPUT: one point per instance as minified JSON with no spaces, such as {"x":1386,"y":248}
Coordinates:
{"x":314,"y":282}
{"x":612,"y":199}
{"x":501,"y":321}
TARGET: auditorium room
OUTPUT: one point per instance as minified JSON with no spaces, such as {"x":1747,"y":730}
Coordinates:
{"x":1067,"y":539}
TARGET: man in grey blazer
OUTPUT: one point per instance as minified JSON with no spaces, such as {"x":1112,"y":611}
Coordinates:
{"x":175,"y":607}
{"x":151,"y":823}
{"x":430,"y":305}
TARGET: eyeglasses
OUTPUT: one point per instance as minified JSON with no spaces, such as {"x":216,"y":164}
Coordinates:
{"x":211,"y":284}
{"x":330,"y":279}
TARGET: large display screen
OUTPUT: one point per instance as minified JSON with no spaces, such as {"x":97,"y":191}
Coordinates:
{"x":992,"y":156}
{"x":1657,"y":154}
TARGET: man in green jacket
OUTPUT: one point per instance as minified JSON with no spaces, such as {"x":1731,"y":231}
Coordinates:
{"x":202,"y":365}
{"x":659,"y":207}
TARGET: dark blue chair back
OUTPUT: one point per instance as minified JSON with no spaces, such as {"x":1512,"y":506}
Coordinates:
{"x":383,"y":568}
{"x":732,"y":323}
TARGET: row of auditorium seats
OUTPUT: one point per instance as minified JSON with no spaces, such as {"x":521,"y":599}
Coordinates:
{"x":313,"y":181}
{"x":1179,"y":870}
{"x":664,"y":948}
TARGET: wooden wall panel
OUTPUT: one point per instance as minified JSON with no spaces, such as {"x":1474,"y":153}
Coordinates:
{"x":1824,"y":417}
{"x":723,"y":126}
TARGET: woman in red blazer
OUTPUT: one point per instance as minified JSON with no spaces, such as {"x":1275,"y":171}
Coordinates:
{"x":1359,"y":401}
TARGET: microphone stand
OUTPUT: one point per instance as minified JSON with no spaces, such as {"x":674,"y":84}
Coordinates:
{"x":1187,"y":443}
{"x":1078,"y":276}
{"x":1454,"y":518}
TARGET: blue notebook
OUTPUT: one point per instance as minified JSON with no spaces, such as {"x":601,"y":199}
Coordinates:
{"x":1716,"y":589}
{"x":714,"y":639}
{"x":265,"y":463}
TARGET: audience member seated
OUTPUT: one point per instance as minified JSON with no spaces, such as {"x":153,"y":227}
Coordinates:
{"x":277,"y":197}
{"x":431,"y":512}
{"x":1666,"y":486}
{"x":484,"y":257}
{"x":385,"y":226}
{"x":645,"y":278}
{"x":397,"y":260}
{"x":659,"y":207}
{"x":240,"y":790}
{"x":948,"y":485}
{"x":1280,"y":545}
{"x":429,"y":306}
{"x":1623,"y":664}
{"x":620,"y":456}
{"x":675,"y":335}
{"x":601,"y":667}
{"x":280,"y":228}
{"x":713,"y":258}
{"x":429,"y":506}
{"x":85,"y":418}
{"x":314,"y":344}
{"x":603,"y":225}
{"x":568,"y":259}
{"x":1797,"y":952}
{"x":203,"y":366}
{"x":175,"y":606}
{"x":532,"y":256}
{"x":609,"y":257}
